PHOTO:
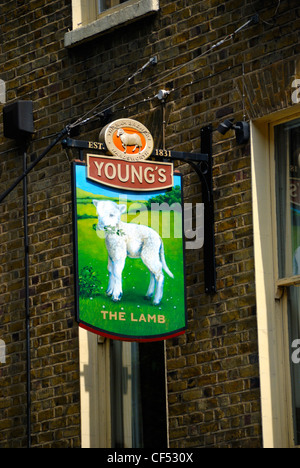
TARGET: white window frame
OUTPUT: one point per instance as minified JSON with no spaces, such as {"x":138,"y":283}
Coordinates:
{"x":96,"y":397}
{"x":114,"y":3}
{"x":95,"y":403}
{"x":88,"y":24}
{"x":271,"y":293}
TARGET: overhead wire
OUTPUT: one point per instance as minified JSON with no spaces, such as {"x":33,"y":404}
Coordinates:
{"x":85,"y":118}
{"x":269,"y":23}
{"x":81,"y":120}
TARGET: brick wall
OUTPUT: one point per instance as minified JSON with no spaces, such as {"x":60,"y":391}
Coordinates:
{"x":213,"y":376}
{"x":32,"y":57}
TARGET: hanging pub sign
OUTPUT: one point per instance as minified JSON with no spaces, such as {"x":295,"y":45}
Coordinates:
{"x":129,"y":243}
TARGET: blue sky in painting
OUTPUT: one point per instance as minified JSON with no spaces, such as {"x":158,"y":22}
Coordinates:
{"x":92,"y":187}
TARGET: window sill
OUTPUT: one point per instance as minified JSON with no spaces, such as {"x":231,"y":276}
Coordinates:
{"x":286,"y":283}
{"x":111,"y":19}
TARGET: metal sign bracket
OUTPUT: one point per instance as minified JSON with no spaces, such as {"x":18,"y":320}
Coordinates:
{"x":201,"y":163}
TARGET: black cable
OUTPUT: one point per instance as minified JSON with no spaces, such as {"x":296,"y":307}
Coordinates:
{"x":83,"y":120}
{"x":29,"y":168}
{"x":272,"y":18}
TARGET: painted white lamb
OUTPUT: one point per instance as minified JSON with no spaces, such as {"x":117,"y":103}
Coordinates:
{"x":130,"y":140}
{"x":132,"y":240}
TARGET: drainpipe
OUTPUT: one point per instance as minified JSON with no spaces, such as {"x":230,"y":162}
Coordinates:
{"x":27,"y":308}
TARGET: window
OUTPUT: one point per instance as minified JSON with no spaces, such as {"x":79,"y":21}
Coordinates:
{"x":294,"y":334}
{"x":123,"y":393}
{"x":287,"y":160}
{"x":276,"y":220}
{"x":138,"y":395}
{"x":90,"y":10}
{"x":287,"y":177}
{"x":92,"y":18}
